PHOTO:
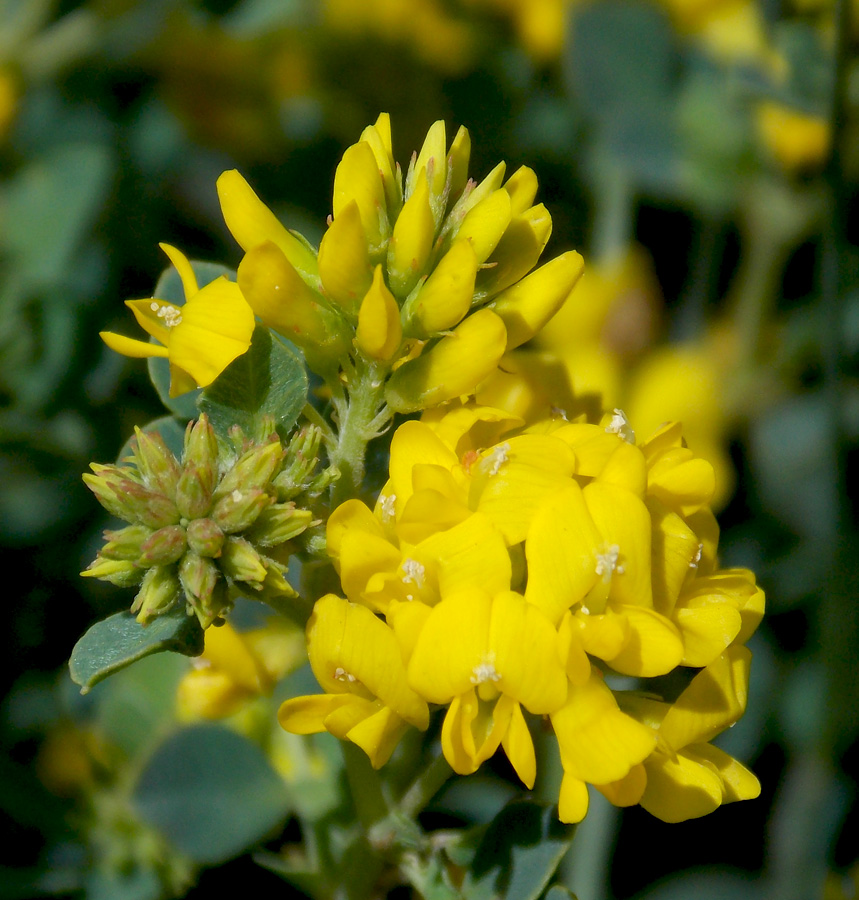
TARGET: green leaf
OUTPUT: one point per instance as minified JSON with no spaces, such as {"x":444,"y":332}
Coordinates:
{"x":169,"y":288}
{"x":211,"y":792}
{"x":120,"y":640}
{"x":558,"y":892}
{"x":620,"y":58}
{"x":267,"y":381}
{"x":519,"y":853}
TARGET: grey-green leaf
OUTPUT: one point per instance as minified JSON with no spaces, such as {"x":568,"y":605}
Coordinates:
{"x":211,"y":793}
{"x":120,"y":640}
{"x":267,"y":381}
{"x":519,"y":853}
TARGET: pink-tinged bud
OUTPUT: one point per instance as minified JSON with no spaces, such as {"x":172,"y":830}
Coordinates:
{"x":201,"y":450}
{"x":126,"y":542}
{"x":194,"y":492}
{"x":301,"y":460}
{"x":254,"y":469}
{"x":275,"y":587}
{"x":121,"y":572}
{"x":239,"y":510}
{"x":198,"y":576}
{"x":102,"y":485}
{"x":240,"y":562}
{"x":210,"y":609}
{"x":164,"y":547}
{"x":205,"y":537}
{"x":158,"y":592}
{"x":155,"y":462}
{"x":147,"y":507}
{"x":279,"y":523}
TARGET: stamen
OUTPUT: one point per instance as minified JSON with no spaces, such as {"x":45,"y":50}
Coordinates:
{"x":619,"y":425}
{"x":414,"y":573}
{"x":485,"y":670}
{"x":387,"y":506}
{"x":171,"y":315}
{"x":697,"y":557}
{"x":608,"y":562}
{"x":497,"y":458}
{"x":236,"y":495}
{"x":340,"y":674}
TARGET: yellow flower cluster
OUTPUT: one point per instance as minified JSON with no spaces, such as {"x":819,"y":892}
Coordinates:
{"x":507,"y":570}
{"x":424,"y":278}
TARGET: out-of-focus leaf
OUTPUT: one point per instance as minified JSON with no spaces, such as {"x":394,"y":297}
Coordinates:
{"x":619,"y":58}
{"x":558,"y":892}
{"x":792,"y":451}
{"x":267,"y":381}
{"x":211,"y":793}
{"x":120,"y":640}
{"x":518,"y":853}
{"x":52,"y":202}
{"x":707,"y":886}
{"x":138,"y":884}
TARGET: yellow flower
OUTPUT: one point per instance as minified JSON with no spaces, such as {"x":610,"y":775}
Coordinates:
{"x":686,"y":776}
{"x":200,"y":338}
{"x":356,"y":659}
{"x":487,"y":657}
{"x":237,"y":667}
{"x":425,"y":278}
{"x":796,"y":140}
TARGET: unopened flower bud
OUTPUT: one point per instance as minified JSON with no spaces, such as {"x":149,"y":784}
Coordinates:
{"x":194,"y":491}
{"x":146,"y":506}
{"x":210,"y":609}
{"x":278,"y":523}
{"x":158,"y":592}
{"x":254,"y":469}
{"x":126,"y":542}
{"x":205,"y":537}
{"x":239,"y":510}
{"x":155,"y":462}
{"x":201,"y":451}
{"x":241,"y":562}
{"x":102,"y":483}
{"x":163,"y":547}
{"x":198,"y":576}
{"x":121,"y":572}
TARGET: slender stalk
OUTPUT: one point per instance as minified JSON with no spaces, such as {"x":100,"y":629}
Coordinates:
{"x":365,"y":786}
{"x":425,"y":786}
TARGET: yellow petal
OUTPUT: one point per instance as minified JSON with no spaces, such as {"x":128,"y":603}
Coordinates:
{"x":571,"y":648}
{"x":344,"y":260}
{"x":183,"y":267}
{"x":519,"y":748}
{"x":681,"y":481}
{"x":283,"y":300}
{"x":457,"y":161}
{"x":251,"y":222}
{"x":415,"y":443}
{"x":713,"y":701}
{"x":706,"y":631}
{"x":378,"y":136}
{"x":681,"y":788}
{"x":379,"y":333}
{"x":227,"y":651}
{"x":432,"y":161}
{"x":516,"y":253}
{"x":598,"y":742}
{"x":152,"y":316}
{"x":132,"y":347}
{"x":573,"y":799}
{"x":674,"y":547}
{"x":306,"y":715}
{"x":628,"y":790}
{"x":653,"y":646}
{"x":530,"y":303}
{"x":209,"y":694}
{"x":412,"y":240}
{"x":353,"y":515}
{"x":378,"y":735}
{"x":453,"y":642}
{"x":738,"y":783}
{"x":560,"y":548}
{"x":216,"y":327}
{"x":484,"y":224}
{"x":362,"y":555}
{"x":522,"y":187}
{"x":357,"y":180}
{"x":452,"y":368}
{"x":446,"y":296}
{"x":523,"y":645}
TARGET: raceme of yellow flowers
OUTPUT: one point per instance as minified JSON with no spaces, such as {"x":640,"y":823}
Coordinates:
{"x":510,"y":570}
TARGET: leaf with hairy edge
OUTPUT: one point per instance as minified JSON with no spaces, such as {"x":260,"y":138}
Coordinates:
{"x":120,"y":640}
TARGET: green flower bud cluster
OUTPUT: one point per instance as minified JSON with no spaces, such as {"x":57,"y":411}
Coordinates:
{"x":215,"y":525}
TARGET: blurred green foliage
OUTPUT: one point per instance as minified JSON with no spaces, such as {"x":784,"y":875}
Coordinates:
{"x":721,"y":137}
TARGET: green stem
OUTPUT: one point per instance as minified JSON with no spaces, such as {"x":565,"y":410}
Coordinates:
{"x":356,"y":429}
{"x":425,"y":786}
{"x":365,"y":786}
